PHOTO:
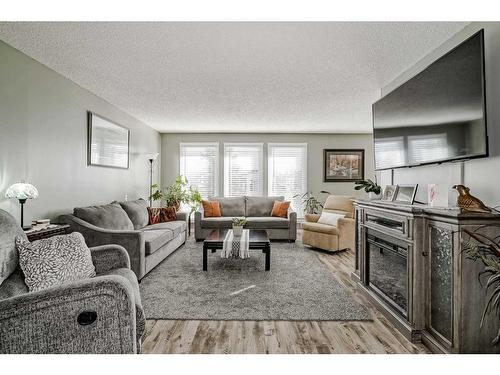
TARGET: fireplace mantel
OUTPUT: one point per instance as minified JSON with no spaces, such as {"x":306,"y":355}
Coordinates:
{"x":443,"y":300}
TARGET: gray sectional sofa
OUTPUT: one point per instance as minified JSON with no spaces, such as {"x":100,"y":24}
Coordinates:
{"x":126,"y":224}
{"x":257,"y":211}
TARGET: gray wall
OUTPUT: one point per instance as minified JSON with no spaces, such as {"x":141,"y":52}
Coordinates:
{"x":481,"y":175}
{"x":315,"y":145}
{"x":43,"y":140}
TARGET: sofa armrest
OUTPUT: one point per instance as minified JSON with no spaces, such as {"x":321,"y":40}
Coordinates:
{"x":109,"y":257}
{"x":131,"y":240}
{"x":347,"y":230}
{"x":182,"y":216}
{"x":47,"y":321}
{"x":312,"y":218}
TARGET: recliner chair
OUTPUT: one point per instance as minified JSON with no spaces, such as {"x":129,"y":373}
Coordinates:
{"x":98,"y":315}
{"x":329,"y":237}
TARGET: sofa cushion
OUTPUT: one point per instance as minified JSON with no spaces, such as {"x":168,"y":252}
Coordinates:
{"x":231,"y":206}
{"x":267,"y":223}
{"x":260,"y":206}
{"x":320,"y":228}
{"x":280,"y":209}
{"x":137,"y":211}
{"x":155,"y":239}
{"x":54,"y":261}
{"x":9,"y":230}
{"x":217,"y":222}
{"x":108,"y":216}
{"x":329,"y":218}
{"x":211,"y":208}
{"x":177,"y":227}
{"x":139,"y":311}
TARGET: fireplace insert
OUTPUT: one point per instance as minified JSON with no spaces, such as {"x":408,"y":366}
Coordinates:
{"x":387,"y":269}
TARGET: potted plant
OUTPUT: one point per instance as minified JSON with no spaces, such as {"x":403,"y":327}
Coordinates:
{"x":372,"y":188}
{"x":238,"y":224}
{"x":310,"y":203}
{"x":176,"y":193}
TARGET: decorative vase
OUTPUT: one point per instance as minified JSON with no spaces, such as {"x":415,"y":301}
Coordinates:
{"x":237,"y":230}
{"x":372,"y":196}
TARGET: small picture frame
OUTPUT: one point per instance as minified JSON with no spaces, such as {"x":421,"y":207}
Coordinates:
{"x":406,"y":194}
{"x":389,"y":193}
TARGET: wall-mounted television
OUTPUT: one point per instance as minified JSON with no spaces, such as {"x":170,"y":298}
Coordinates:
{"x":438,"y":115}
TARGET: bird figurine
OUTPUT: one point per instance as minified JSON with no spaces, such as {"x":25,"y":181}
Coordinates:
{"x":468,"y":202}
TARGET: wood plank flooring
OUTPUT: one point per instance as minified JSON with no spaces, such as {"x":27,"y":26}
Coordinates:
{"x":261,"y":337}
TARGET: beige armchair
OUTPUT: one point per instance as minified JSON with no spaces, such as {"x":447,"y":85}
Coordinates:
{"x":329,"y":237}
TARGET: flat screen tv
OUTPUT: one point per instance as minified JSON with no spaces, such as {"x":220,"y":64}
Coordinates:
{"x":438,"y":115}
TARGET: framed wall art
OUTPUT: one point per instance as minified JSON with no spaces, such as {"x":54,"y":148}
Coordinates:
{"x":343,"y":165}
{"x":108,"y":143}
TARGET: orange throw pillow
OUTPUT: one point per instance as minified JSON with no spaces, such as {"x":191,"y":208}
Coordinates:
{"x":280,"y":209}
{"x":211,"y":209}
{"x":161,"y":214}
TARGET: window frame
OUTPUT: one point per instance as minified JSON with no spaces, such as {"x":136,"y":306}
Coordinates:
{"x":225,"y":173}
{"x":217,"y":161}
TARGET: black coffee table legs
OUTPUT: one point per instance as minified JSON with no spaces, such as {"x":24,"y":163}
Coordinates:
{"x":266,"y":251}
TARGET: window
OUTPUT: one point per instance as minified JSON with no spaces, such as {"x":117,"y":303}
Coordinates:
{"x":390,"y":152}
{"x":287,"y":172}
{"x":200,"y":165}
{"x":425,"y":148}
{"x":243,"y":172}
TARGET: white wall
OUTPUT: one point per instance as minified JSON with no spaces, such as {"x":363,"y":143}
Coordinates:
{"x":43,"y":140}
{"x":481,"y":175}
{"x":315,"y":145}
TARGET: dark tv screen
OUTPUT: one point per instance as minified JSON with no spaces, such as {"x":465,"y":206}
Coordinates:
{"x":438,"y":115}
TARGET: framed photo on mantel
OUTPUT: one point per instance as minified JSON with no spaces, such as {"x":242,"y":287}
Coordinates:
{"x":343,"y":165}
{"x":108,"y":143}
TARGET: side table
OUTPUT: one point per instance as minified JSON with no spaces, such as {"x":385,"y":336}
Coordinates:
{"x":51,"y":230}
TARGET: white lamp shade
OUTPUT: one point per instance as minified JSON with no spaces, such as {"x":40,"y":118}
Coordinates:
{"x":22,"y":190}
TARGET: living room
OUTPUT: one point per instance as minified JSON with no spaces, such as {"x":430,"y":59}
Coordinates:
{"x":249,"y":187}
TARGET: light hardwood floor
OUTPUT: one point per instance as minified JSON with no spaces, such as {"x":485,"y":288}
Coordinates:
{"x":199,"y":336}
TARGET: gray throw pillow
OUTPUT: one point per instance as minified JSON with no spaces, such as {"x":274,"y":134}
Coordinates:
{"x":107,"y":216}
{"x":54,"y":261}
{"x":137,"y":211}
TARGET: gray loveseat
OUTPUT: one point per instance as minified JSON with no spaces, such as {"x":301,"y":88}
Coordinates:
{"x":49,"y":320}
{"x":126,"y":224}
{"x":257,"y":211}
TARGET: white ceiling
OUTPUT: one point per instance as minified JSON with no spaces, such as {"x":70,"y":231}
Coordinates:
{"x":234,"y":77}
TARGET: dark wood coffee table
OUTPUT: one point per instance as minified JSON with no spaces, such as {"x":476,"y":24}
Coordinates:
{"x":258,"y":241}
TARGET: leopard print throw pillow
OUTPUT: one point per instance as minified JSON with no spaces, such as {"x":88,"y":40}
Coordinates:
{"x":54,"y":261}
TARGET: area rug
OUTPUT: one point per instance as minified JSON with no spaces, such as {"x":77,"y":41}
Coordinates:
{"x":298,"y":287}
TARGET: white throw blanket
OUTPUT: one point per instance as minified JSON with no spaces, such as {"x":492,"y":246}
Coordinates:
{"x":236,"y":247}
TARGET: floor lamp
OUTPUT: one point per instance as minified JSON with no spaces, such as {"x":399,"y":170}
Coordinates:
{"x":151,"y":159}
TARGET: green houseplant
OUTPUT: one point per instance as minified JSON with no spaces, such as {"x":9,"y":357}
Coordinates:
{"x":176,"y":193}
{"x":310,"y":203}
{"x":238,"y":224}
{"x":370,"y":187}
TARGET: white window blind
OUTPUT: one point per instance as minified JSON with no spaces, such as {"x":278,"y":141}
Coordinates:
{"x":200,"y":165}
{"x":287,"y":172}
{"x":243,"y":171}
{"x":390,"y":152}
{"x":424,"y":148}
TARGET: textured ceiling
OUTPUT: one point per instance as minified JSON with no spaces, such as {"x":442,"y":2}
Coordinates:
{"x":234,"y":77}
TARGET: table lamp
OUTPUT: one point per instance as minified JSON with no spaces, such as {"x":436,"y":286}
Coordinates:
{"x":22,"y":191}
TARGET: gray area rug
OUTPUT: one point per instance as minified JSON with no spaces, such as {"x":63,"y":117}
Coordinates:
{"x":298,"y":287}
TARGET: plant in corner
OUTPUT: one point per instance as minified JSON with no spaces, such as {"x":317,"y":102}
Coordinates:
{"x":310,"y":203}
{"x":370,"y":187}
{"x":176,"y":193}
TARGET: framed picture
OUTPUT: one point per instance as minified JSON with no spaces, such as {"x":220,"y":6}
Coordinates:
{"x":406,"y":194}
{"x":343,"y":165}
{"x":108,"y":143}
{"x":389,"y":193}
